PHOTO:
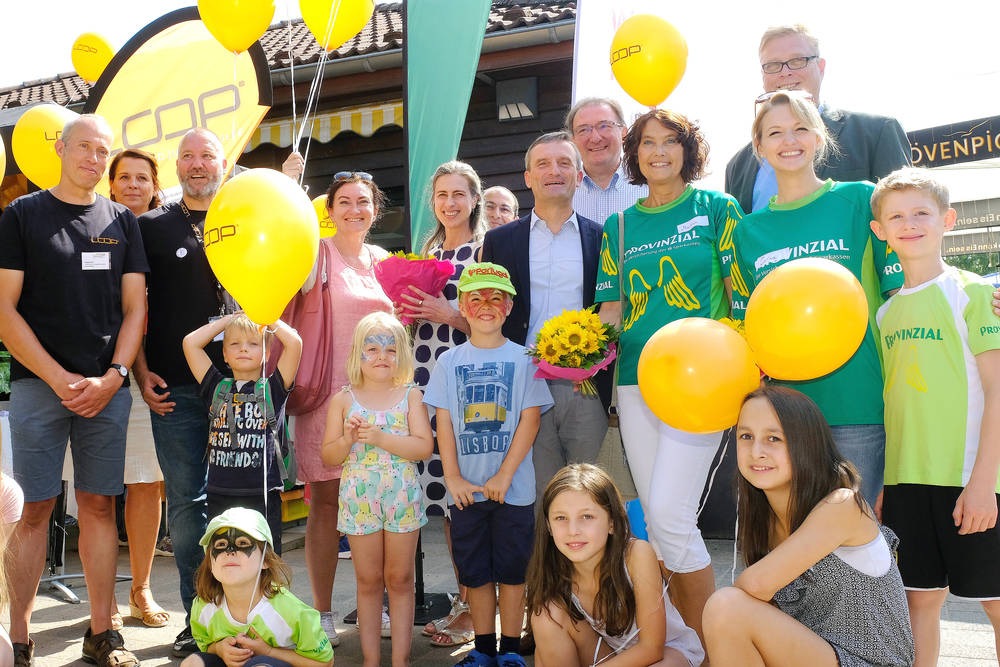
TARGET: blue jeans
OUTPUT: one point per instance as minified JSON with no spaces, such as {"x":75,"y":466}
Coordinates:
{"x":181,"y":437}
{"x":864,"y":446}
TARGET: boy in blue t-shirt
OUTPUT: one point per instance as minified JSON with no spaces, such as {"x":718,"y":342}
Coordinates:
{"x":243,"y":467}
{"x":941,"y":345}
{"x":488,"y":405}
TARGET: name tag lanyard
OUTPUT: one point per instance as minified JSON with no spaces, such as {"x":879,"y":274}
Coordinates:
{"x":226,"y":302}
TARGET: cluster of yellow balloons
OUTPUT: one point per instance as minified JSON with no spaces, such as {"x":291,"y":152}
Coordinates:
{"x":648,"y":58}
{"x":237,"y":24}
{"x":804,"y":320}
{"x":261,"y":240}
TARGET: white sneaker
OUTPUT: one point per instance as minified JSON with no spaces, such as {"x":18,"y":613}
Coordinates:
{"x":386,"y":625}
{"x":326,"y":622}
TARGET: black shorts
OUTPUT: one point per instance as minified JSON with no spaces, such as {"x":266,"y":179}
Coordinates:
{"x":932,"y":555}
{"x":491,"y":542}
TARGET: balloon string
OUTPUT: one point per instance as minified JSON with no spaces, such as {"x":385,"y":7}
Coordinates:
{"x":232,"y":116}
{"x":313,"y":101}
{"x":291,"y":70}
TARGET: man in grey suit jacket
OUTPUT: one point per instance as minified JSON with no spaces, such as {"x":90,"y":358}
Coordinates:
{"x":552,"y":255}
{"x":870,"y":146}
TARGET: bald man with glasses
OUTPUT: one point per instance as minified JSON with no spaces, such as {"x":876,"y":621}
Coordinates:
{"x":869,"y":146}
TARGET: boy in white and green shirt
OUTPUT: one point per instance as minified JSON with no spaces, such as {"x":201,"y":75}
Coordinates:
{"x":941,"y":344}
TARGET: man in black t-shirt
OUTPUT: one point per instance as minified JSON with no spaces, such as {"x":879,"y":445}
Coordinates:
{"x":183,"y":295}
{"x":72,"y":308}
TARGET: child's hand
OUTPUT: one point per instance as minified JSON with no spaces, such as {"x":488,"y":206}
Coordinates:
{"x":496,"y":487}
{"x":461,"y":491}
{"x":231,"y":652}
{"x":976,"y":509}
{"x":351,"y":427}
{"x":254,"y":643}
{"x":369,"y":434}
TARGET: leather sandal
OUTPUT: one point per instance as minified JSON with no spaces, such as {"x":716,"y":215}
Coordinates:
{"x":152,"y":615}
{"x":458,"y":607}
{"x":107,"y":649}
{"x":449,"y":638}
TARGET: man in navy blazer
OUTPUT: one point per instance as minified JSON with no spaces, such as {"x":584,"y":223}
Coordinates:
{"x":552,"y":255}
{"x":869,"y":146}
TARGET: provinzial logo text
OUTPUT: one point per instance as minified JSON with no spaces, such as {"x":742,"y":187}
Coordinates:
{"x":794,"y":252}
{"x":912,"y":333}
{"x":662,"y":243}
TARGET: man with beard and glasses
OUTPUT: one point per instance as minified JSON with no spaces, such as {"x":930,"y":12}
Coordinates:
{"x":183,"y":295}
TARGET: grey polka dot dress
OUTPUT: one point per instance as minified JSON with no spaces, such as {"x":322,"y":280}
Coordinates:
{"x":430,"y":341}
{"x":864,"y":618}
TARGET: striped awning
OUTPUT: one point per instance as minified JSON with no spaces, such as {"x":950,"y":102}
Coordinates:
{"x":328,"y":124}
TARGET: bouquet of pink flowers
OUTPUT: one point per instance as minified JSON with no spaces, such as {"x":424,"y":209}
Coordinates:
{"x":574,"y":346}
{"x":399,"y":270}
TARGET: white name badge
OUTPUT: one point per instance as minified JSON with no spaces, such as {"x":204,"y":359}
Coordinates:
{"x":96,"y":261}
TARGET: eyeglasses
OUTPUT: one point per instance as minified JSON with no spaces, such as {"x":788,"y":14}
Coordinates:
{"x":793,"y":64}
{"x":348,"y":175}
{"x":604,"y":127}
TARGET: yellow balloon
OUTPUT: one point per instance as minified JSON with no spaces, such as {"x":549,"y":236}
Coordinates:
{"x":694,"y":374}
{"x":333,"y":22}
{"x":648,"y":58}
{"x":91,"y":54}
{"x":33,"y":141}
{"x":261,"y":239}
{"x":236,"y":24}
{"x":327,"y":228}
{"x":806,"y":319}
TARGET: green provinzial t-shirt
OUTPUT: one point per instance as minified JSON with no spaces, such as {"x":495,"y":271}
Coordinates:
{"x":282,"y":621}
{"x":676,"y":257}
{"x":832,"y":223}
{"x":930,"y":336}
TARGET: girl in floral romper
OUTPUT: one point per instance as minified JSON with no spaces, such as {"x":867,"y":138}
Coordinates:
{"x":377,"y":428}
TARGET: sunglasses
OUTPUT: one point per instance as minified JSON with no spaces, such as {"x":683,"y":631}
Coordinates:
{"x":350,"y":175}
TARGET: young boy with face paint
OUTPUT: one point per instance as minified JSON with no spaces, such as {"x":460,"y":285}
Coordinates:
{"x":243,"y":613}
{"x":243,"y":468}
{"x":488,"y":405}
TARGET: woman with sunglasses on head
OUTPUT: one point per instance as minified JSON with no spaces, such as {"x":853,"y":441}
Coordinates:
{"x":134,"y":181}
{"x":346,"y":265}
{"x":677,"y":250}
{"x":457,"y":202}
{"x":828,"y":219}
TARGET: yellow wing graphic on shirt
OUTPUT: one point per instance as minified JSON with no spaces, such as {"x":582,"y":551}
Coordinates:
{"x":638,"y":298}
{"x":726,"y":240}
{"x":739,"y":283}
{"x":909,"y":367}
{"x":675,"y":290}
{"x":609,"y":263}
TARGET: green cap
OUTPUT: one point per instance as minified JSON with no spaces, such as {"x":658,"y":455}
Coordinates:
{"x":485,"y":275}
{"x":249,"y":521}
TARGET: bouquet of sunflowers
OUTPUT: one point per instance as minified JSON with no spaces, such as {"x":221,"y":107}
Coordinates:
{"x":399,"y":270}
{"x":574,"y":346}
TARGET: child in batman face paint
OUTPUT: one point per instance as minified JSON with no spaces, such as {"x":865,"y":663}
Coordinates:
{"x":378,"y":428}
{"x":243,"y":610}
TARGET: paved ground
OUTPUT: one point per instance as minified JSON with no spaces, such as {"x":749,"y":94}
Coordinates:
{"x":59,"y":627}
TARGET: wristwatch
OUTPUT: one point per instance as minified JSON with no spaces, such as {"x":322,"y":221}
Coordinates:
{"x":120,"y":369}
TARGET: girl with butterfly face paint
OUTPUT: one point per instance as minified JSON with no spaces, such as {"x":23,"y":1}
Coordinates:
{"x":378,"y":428}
